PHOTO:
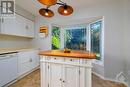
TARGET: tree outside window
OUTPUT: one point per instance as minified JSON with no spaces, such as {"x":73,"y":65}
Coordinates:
{"x":75,"y":39}
{"x":95,"y":30}
{"x":55,"y":38}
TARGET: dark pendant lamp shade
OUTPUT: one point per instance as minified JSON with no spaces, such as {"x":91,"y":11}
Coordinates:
{"x":65,"y":10}
{"x":46,"y":12}
{"x":48,"y":2}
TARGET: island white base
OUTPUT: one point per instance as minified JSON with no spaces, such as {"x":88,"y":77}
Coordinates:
{"x":65,"y":72}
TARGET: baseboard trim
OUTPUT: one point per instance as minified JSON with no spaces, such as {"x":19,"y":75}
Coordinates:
{"x":104,"y":78}
{"x":8,"y":84}
{"x":20,"y":77}
{"x":117,"y":81}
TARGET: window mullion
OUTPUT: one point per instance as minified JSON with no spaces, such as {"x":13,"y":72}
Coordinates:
{"x":89,"y":38}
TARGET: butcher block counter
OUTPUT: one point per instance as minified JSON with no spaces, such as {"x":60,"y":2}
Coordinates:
{"x":59,"y":69}
{"x":74,"y":54}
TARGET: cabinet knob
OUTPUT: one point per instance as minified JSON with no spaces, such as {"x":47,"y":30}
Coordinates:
{"x":55,"y":58}
{"x":60,"y":79}
{"x":26,"y":27}
{"x":63,"y":81}
{"x":30,"y":59}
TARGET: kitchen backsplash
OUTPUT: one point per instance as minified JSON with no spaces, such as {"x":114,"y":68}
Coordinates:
{"x":14,"y":42}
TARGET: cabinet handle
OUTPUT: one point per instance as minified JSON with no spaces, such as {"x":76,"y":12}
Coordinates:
{"x":11,"y":56}
{"x":71,"y":60}
{"x":26,"y":27}
{"x":2,"y":20}
{"x":30,"y":60}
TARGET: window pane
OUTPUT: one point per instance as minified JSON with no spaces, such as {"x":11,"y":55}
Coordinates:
{"x":75,"y":39}
{"x":95,"y":29}
{"x":55,"y":38}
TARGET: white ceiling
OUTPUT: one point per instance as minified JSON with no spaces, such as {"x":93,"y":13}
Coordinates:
{"x":33,"y":6}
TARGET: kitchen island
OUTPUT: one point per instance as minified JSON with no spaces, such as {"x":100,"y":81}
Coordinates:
{"x":59,"y":69}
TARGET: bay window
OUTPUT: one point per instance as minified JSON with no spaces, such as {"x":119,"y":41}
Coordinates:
{"x":86,"y":37}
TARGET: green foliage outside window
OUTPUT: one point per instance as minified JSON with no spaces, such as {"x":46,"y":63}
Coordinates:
{"x":55,"y":38}
{"x":75,"y":39}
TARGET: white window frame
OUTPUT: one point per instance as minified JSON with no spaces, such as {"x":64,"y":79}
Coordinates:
{"x":100,"y":62}
{"x":78,"y":26}
{"x":88,"y":41}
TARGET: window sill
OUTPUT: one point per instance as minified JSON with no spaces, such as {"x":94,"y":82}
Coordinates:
{"x":98,"y":62}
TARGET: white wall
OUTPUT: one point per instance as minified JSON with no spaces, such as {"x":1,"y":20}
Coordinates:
{"x":126,"y":44}
{"x":113,"y":17}
{"x":42,"y":43}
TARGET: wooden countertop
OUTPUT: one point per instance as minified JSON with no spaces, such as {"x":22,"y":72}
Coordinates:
{"x":74,"y":54}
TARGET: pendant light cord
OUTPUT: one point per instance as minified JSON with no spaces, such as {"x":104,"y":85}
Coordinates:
{"x":62,"y":2}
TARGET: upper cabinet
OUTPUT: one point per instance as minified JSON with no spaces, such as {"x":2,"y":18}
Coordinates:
{"x":18,"y":26}
{"x":7,"y":26}
{"x":29,"y":28}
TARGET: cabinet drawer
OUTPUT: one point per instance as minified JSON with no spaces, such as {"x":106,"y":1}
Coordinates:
{"x":57,"y":59}
{"x":72,"y":60}
{"x":43,"y":58}
{"x":23,"y":57}
{"x":85,"y":61}
{"x":52,"y":59}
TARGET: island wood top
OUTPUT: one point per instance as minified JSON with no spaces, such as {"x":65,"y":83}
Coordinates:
{"x":74,"y":54}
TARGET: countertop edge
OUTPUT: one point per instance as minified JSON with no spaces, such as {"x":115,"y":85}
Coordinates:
{"x":88,"y":55}
{"x":16,"y":50}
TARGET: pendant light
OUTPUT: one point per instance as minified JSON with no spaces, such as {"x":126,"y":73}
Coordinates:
{"x":48,"y":2}
{"x":46,"y":12}
{"x":64,"y":9}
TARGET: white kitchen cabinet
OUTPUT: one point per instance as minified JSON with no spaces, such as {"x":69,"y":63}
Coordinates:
{"x":27,"y":61}
{"x":52,"y":75}
{"x":55,"y":75}
{"x":18,"y":26}
{"x":8,"y":26}
{"x":24,"y":62}
{"x":29,"y":28}
{"x":34,"y":58}
{"x":24,"y":26}
{"x":8,"y":68}
{"x":65,"y":72}
{"x":44,"y":74}
{"x":71,"y":76}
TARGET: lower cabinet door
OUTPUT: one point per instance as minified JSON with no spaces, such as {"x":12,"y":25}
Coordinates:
{"x":71,"y":76}
{"x":55,"y":75}
{"x":44,"y":74}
